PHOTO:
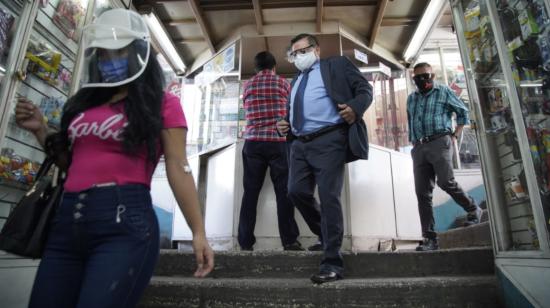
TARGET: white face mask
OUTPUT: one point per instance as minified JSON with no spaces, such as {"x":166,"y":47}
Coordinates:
{"x":305,"y":61}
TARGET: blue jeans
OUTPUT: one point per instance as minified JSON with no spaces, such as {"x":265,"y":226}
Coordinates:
{"x":102,"y":248}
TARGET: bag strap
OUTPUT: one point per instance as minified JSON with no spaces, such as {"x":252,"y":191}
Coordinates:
{"x":44,"y":168}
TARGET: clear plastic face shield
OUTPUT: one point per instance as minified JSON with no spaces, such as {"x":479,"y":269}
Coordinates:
{"x":116,"y":49}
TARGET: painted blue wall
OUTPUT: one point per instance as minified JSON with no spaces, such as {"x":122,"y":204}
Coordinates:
{"x":165,"y":219}
{"x":446,"y":213}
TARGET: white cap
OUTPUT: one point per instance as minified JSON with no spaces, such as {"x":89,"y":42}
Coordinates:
{"x":114,"y":30}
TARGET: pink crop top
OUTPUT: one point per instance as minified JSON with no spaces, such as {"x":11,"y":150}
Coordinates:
{"x":98,"y":156}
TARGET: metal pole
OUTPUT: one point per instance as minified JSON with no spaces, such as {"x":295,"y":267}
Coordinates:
{"x":456,"y":155}
{"x":393,"y":107}
{"x":442,"y":65}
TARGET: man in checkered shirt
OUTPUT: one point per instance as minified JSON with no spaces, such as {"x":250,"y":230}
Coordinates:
{"x":265,"y":98}
{"x":429,"y":112}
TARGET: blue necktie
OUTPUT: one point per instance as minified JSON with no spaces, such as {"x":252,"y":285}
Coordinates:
{"x":298,"y":107}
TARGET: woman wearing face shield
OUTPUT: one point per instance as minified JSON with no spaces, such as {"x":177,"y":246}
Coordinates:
{"x":104,"y":239}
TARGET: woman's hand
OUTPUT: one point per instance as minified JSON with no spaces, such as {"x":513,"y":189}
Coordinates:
{"x":204,"y":256}
{"x":28,"y":116}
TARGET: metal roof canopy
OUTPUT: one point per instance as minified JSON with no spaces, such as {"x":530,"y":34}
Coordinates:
{"x":201,"y":28}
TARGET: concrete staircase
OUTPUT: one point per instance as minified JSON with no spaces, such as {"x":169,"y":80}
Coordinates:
{"x":478,"y":235}
{"x":444,"y":278}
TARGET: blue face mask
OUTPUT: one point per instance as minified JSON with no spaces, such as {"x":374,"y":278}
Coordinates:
{"x":113,"y":70}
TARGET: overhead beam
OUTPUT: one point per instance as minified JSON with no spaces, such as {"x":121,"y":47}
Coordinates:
{"x":319,"y":15}
{"x":224,"y":5}
{"x":378,"y":21}
{"x":399,"y":21}
{"x":197,"y":11}
{"x":191,"y":40}
{"x":180,"y":22}
{"x":258,"y":15}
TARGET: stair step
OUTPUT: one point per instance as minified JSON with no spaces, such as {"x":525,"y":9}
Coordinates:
{"x":470,"y":291}
{"x":459,"y":221}
{"x":472,"y":236}
{"x":285,"y":264}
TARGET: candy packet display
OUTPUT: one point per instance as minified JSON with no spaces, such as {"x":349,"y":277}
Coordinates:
{"x":6,"y":23}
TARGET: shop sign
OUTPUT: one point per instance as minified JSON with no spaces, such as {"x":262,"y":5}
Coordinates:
{"x":361,"y":56}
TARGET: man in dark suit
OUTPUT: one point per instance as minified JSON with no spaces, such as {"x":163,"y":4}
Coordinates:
{"x":326,"y":128}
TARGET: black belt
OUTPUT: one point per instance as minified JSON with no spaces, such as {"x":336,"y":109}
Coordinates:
{"x":322,"y":131}
{"x":431,"y":138}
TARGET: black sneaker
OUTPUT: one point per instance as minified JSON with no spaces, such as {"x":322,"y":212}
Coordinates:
{"x":428,"y":244}
{"x":247,"y":249}
{"x":473,"y":217}
{"x":296,"y":246}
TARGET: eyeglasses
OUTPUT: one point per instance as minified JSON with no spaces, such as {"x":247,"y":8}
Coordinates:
{"x":425,"y":76}
{"x":293,"y":54}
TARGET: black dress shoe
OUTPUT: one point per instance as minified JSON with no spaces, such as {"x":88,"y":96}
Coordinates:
{"x":296,"y":246}
{"x":323,"y":277}
{"x":318,"y":246}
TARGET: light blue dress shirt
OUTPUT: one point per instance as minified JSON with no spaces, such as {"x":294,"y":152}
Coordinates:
{"x":319,"y":109}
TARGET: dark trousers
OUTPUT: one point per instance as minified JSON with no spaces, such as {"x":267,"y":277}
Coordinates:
{"x":102,"y":247}
{"x":321,"y":162}
{"x":257,"y":156}
{"x":433,"y":161}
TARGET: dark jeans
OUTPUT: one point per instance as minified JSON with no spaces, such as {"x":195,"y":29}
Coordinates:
{"x":257,"y":156}
{"x":433,"y":161}
{"x":102,"y":247}
{"x":321,"y":162}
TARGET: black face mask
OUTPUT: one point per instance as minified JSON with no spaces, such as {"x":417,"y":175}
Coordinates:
{"x":424,"y":82}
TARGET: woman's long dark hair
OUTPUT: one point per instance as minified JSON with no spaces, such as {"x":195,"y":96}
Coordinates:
{"x":142,"y":107}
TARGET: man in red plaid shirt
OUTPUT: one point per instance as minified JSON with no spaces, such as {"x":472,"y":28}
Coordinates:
{"x":265,"y":99}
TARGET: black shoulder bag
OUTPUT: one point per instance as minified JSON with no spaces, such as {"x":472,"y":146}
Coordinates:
{"x":26,"y":229}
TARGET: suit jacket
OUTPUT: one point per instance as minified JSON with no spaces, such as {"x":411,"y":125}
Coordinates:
{"x":346,"y":85}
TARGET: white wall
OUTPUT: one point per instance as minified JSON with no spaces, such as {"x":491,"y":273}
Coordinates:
{"x":378,"y":203}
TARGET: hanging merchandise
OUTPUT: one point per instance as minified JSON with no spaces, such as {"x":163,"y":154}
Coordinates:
{"x":514,"y":189}
{"x":543,"y":43}
{"x":545,"y":135}
{"x":68,"y":15}
{"x":64,"y":79}
{"x":498,"y":121}
{"x":475,"y":55}
{"x":472,"y":20}
{"x":536,"y":9}
{"x":496,"y":100}
{"x":51,"y":108}
{"x":44,"y":3}
{"x":533,"y":231}
{"x":537,"y":149}
{"x":527,"y":22}
{"x":43,"y":61}
{"x":489,"y":48}
{"x":509,"y":19}
{"x":528,"y":58}
{"x":6,"y":23}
